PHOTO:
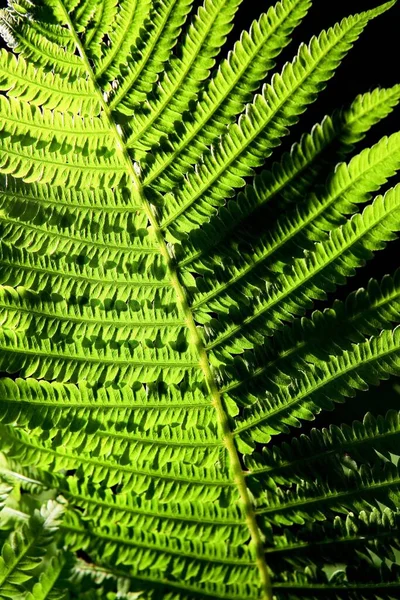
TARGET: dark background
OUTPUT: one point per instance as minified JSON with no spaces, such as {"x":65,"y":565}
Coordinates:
{"x":373,"y":62}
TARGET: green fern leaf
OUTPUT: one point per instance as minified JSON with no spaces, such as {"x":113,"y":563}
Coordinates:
{"x":238,"y":76}
{"x":24,"y":550}
{"x":159,"y":263}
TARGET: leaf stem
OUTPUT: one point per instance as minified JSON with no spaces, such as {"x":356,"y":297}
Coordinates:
{"x":239,"y":476}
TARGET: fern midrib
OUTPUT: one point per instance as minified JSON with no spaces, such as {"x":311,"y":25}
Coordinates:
{"x":197,"y":341}
{"x":160,"y":441}
{"x":54,"y":35}
{"x":80,"y":11}
{"x":75,"y":166}
{"x":42,"y":126}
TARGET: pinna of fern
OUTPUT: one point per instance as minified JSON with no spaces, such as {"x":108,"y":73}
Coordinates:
{"x":159,"y":264}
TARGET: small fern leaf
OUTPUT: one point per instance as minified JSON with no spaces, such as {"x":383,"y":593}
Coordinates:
{"x":46,"y":587}
{"x":25,"y":548}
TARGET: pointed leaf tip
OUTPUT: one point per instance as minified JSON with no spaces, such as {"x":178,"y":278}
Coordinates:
{"x":379,"y":10}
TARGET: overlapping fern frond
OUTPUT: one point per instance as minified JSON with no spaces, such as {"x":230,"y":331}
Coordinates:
{"x":159,"y":262}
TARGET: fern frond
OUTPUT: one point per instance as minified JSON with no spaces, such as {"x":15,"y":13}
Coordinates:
{"x":48,"y":90}
{"x":317,"y":388}
{"x":365,"y":112}
{"x":350,"y":185}
{"x":310,"y":499}
{"x":183,"y":79}
{"x":137,"y":374}
{"x":46,"y":587}
{"x":164,"y":24}
{"x":97,"y":462}
{"x":336,"y":539}
{"x":332,"y":544}
{"x":170,"y":552}
{"x":319,"y":271}
{"x":330,"y":449}
{"x":208,"y":520}
{"x":25,"y":548}
{"x":28,"y":479}
{"x":365,"y":312}
{"x":227,"y":92}
{"x":315,"y":584}
{"x":27,"y":29}
{"x":297,"y":170}
{"x":127,"y":21}
{"x":102,"y":22}
{"x":247,"y":143}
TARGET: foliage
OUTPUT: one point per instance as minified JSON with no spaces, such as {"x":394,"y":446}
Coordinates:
{"x":159,"y":264}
